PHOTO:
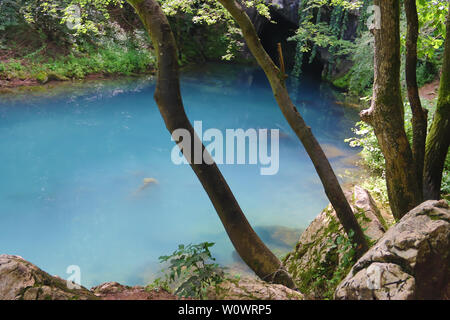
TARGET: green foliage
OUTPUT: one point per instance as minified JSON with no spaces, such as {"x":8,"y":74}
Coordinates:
{"x":371,"y":154}
{"x":158,"y":284}
{"x":445,"y":186}
{"x":110,"y":59}
{"x":346,"y":249}
{"x":432,"y":17}
{"x":314,"y":33}
{"x":376,"y":185}
{"x":205,"y":29}
{"x":373,"y":160}
{"x":324,"y":279}
{"x":9,"y":14}
{"x":361,"y":74}
{"x":191,"y":271}
{"x":427,"y":70}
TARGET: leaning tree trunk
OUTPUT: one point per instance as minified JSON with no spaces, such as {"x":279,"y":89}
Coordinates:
{"x":386,"y":114}
{"x":276,"y":78}
{"x":419,"y":114}
{"x":168,"y":98}
{"x":439,"y":136}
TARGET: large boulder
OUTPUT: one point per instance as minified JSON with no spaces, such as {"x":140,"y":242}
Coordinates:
{"x":411,"y":261}
{"x":323,"y":255}
{"x":20,"y":279}
{"x":248,"y":288}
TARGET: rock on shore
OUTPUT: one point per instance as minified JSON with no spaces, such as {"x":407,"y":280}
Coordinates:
{"x":411,"y":261}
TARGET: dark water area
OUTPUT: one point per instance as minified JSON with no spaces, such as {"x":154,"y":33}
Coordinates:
{"x":74,"y":157}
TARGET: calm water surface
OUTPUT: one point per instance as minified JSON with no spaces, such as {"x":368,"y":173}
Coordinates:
{"x":73,"y":158}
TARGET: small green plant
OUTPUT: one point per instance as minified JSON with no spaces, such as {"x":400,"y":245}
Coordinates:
{"x":158,"y":284}
{"x":324,"y":279}
{"x":346,"y":250}
{"x":191,"y":270}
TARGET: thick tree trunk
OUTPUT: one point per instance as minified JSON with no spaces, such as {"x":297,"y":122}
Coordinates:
{"x":386,"y":113}
{"x":438,"y":138}
{"x":276,"y":78}
{"x":419,"y":114}
{"x":168,"y":97}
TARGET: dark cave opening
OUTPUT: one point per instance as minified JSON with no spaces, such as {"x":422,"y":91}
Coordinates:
{"x":273,"y":33}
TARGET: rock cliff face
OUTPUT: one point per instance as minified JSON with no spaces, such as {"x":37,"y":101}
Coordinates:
{"x":318,"y":257}
{"x":285,"y":17}
{"x":411,"y":261}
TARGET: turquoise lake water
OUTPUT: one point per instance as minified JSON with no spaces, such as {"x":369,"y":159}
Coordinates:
{"x":73,"y":159}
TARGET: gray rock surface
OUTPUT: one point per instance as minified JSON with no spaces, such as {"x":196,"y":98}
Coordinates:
{"x":411,"y":261}
{"x":20,"y":279}
{"x":252,"y":289}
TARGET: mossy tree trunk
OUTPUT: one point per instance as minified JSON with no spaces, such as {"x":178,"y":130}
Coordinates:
{"x":438,"y":138}
{"x":419,"y":114}
{"x":277,"y":81}
{"x":168,"y":98}
{"x":386,"y":113}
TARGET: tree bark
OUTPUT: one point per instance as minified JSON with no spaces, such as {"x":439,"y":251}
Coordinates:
{"x":276,"y":78}
{"x":386,"y":113}
{"x":438,"y":138}
{"x":168,"y":98}
{"x":419,"y":114}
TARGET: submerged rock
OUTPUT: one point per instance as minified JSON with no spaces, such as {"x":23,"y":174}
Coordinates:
{"x":251,"y":289}
{"x":411,"y":261}
{"x":20,"y":279}
{"x":322,"y":255}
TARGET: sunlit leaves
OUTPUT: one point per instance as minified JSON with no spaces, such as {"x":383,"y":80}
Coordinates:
{"x":432,"y":17}
{"x":211,"y":12}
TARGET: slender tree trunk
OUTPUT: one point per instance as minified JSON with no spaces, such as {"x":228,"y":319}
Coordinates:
{"x":438,"y":138}
{"x":419,"y":114}
{"x":168,"y":97}
{"x":276,"y":78}
{"x":386,"y":113}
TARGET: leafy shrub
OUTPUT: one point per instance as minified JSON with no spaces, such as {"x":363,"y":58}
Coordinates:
{"x":191,"y":271}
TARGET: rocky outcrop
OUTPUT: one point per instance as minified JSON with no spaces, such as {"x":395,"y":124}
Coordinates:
{"x":20,"y":279}
{"x":322,"y":254}
{"x":411,"y":261}
{"x":251,"y":289}
{"x":117,"y":291}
